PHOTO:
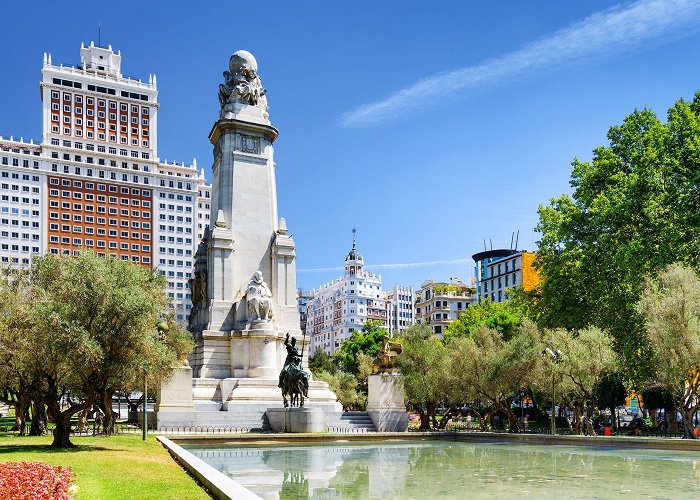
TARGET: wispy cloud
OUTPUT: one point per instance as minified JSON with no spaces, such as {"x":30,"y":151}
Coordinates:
{"x":607,"y":32}
{"x":405,"y":265}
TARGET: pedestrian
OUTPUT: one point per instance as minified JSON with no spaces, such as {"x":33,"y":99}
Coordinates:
{"x":469,"y":420}
{"x":525,"y":422}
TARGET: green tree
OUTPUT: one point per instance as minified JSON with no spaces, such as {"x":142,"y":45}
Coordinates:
{"x":504,"y":317}
{"x":610,"y":392}
{"x":635,"y":208}
{"x":344,"y":385}
{"x":367,"y":341}
{"x":670,"y":306}
{"x":656,"y":397}
{"x":424,"y":367}
{"x":496,"y":369}
{"x":91,"y":330}
{"x":320,"y":361}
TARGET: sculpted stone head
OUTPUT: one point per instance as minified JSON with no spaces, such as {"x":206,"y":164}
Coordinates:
{"x":258,"y":277}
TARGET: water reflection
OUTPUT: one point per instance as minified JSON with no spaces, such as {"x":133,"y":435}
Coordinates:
{"x":440,"y":469}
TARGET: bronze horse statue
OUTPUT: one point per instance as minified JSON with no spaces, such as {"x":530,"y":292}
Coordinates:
{"x":293,"y":380}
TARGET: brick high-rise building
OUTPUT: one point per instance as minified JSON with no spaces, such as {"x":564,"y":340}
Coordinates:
{"x":96,"y":181}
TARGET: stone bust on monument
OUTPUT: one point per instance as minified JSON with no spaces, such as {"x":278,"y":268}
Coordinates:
{"x":245,"y":272}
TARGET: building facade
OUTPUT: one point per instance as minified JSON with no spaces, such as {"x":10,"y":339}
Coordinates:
{"x":96,"y":181}
{"x":399,"y":304}
{"x":342,"y":306}
{"x":440,"y":303}
{"x":514,"y":270}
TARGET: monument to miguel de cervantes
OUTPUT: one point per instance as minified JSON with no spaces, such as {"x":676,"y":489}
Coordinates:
{"x":244,"y":284}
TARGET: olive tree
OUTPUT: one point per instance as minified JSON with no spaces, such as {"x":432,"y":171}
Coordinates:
{"x":670,"y":306}
{"x":90,"y":330}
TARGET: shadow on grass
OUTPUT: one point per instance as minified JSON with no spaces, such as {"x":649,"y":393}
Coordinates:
{"x":44,"y":448}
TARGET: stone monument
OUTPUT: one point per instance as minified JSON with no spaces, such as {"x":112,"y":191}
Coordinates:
{"x":244,"y":285}
{"x":385,"y":395}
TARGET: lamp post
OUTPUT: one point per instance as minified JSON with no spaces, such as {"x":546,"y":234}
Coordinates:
{"x":556,"y":357}
{"x":144,"y":431}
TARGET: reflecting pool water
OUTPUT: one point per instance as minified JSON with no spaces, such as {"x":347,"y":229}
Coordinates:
{"x":449,"y":469}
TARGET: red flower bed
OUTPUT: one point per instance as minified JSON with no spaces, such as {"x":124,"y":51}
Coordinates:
{"x":34,"y":481}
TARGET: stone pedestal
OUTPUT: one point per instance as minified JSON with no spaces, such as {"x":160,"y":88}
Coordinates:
{"x":296,"y":419}
{"x":175,"y":394}
{"x":385,"y":402}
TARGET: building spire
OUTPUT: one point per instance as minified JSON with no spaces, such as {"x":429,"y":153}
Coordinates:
{"x":354,"y":231}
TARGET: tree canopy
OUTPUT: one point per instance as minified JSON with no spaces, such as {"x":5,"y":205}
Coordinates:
{"x":86,"y":326}
{"x":635,"y":208}
{"x":367,"y":341}
{"x":670,"y":306}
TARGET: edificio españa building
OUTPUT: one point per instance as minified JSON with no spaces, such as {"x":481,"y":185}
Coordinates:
{"x":96,"y":182}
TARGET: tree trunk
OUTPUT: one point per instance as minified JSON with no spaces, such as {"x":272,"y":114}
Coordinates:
{"x":39,"y":424}
{"x":21,"y":406}
{"x":588,"y":421}
{"x":61,"y":419}
{"x":672,"y":421}
{"x":446,"y":417}
{"x":83,"y":421}
{"x":108,"y":421}
{"x":688,"y":429}
{"x":61,"y":433}
{"x":512,"y":419}
{"x":424,"y":420}
{"x":485,"y":421}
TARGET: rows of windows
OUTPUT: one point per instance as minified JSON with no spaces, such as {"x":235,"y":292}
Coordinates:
{"x":19,"y":223}
{"x":16,"y":162}
{"x":69,"y":251}
{"x":73,"y":106}
{"x":100,"y":149}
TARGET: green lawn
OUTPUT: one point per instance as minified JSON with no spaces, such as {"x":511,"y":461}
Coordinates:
{"x":110,"y":467}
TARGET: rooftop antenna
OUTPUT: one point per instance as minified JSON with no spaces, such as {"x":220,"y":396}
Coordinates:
{"x":99,"y":33}
{"x":512,"y":235}
{"x":491,"y":241}
{"x":484,"y":244}
{"x":354,"y":231}
{"x":517,"y":237}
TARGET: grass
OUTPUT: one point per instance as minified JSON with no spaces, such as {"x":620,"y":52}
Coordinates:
{"x":112,"y":467}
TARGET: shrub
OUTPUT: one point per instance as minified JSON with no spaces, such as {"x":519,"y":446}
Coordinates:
{"x":34,"y":481}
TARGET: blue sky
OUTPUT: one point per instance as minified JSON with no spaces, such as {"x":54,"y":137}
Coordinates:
{"x":429,"y":128}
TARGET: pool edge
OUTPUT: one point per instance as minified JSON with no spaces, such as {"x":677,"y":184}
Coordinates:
{"x":593,"y":441}
{"x":220,"y":485}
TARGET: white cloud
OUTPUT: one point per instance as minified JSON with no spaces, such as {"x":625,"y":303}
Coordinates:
{"x":604,"y":33}
{"x":405,"y":265}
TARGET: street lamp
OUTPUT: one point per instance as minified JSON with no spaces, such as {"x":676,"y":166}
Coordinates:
{"x":556,"y":358}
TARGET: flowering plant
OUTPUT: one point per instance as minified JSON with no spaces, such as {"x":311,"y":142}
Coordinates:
{"x":34,"y":481}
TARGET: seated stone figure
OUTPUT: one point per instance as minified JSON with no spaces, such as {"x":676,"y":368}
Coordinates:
{"x":258,"y":299}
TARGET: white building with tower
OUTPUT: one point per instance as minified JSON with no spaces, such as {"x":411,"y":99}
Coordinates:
{"x":338,"y":308}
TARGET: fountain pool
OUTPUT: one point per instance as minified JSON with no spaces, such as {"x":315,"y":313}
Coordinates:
{"x":427,"y":469}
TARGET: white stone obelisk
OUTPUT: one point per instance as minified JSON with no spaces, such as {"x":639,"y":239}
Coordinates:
{"x":244,"y":285}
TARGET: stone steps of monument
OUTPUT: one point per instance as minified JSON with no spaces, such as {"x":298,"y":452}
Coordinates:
{"x":357,"y":420}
